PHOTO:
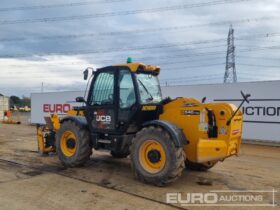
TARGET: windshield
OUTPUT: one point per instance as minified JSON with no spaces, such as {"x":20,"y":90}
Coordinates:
{"x":149,"y":88}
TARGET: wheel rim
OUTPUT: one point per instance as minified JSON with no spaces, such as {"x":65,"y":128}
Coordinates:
{"x":152,"y":156}
{"x":68,"y":143}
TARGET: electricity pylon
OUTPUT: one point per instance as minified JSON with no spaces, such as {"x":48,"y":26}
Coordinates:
{"x":230,"y":72}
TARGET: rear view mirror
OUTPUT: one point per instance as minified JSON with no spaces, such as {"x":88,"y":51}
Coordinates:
{"x":80,"y":99}
{"x":85,"y":74}
{"x":87,"y":71}
{"x":203,"y":100}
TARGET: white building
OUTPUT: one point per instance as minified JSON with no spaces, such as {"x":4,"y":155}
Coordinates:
{"x":4,"y":106}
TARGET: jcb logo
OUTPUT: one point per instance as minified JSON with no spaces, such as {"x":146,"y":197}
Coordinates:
{"x":103,"y":118}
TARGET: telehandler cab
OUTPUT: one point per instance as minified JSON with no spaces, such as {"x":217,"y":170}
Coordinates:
{"x":125,"y":114}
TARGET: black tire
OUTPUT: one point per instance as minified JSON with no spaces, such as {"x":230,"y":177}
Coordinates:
{"x":82,"y":145}
{"x":175,"y":157}
{"x":200,"y":166}
{"x":120,"y":153}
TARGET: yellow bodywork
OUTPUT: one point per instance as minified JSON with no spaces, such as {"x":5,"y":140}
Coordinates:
{"x":10,"y":121}
{"x":43,"y":149}
{"x":187,"y":113}
{"x":134,"y":67}
{"x":52,"y":124}
{"x":201,"y":148}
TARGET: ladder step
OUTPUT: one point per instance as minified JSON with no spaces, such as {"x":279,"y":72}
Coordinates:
{"x":104,"y":141}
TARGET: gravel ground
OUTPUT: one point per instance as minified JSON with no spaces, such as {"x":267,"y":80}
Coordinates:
{"x":31,"y":181}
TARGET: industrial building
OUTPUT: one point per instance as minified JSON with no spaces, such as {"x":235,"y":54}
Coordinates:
{"x":4,"y":106}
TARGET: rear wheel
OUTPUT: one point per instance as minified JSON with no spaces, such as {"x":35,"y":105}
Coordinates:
{"x":155,"y":158}
{"x":72,"y":143}
{"x":200,"y":166}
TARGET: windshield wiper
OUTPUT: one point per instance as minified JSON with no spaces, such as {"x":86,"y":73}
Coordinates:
{"x":151,"y":97}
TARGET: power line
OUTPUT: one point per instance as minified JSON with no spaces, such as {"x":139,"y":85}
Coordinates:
{"x":192,"y":56}
{"x":162,"y":81}
{"x":24,"y":75}
{"x":85,"y":52}
{"x":255,"y":36}
{"x":37,"y":77}
{"x":211,"y":53}
{"x":167,"y":83}
{"x":259,"y":65}
{"x":109,"y":50}
{"x":137,"y":48}
{"x":213,"y":80}
{"x":206,"y":77}
{"x":57,"y":64}
{"x":257,"y":74}
{"x":134,"y":48}
{"x":189,"y":77}
{"x":50,"y":6}
{"x":121,"y":13}
{"x":196,"y":66}
{"x":258,"y":58}
{"x":80,"y":71}
{"x":210,"y":76}
{"x":101,"y":34}
{"x":276,"y":47}
{"x":164,"y":45}
{"x":183,"y":53}
{"x":164,"y":69}
{"x":145,"y":31}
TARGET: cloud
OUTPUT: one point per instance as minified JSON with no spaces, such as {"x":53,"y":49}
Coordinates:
{"x":57,"y":73}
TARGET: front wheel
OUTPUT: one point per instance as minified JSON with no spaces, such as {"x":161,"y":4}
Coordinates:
{"x":72,"y":143}
{"x":155,"y":158}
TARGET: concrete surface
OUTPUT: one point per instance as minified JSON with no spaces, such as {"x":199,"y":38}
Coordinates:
{"x":31,"y":181}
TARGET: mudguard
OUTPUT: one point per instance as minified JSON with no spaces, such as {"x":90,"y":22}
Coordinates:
{"x":78,"y":119}
{"x":176,"y":133}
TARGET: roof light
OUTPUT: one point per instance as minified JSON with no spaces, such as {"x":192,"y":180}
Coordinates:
{"x":129,"y":60}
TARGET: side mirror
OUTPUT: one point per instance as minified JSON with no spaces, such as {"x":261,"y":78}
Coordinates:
{"x":203,"y":100}
{"x":80,"y":99}
{"x":87,"y":71}
{"x":85,"y":74}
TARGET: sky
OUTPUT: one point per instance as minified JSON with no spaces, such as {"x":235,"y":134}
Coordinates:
{"x":53,"y":42}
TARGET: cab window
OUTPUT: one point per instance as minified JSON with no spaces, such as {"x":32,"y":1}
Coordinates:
{"x":149,"y":88}
{"x":127,"y":90}
{"x":103,"y":90}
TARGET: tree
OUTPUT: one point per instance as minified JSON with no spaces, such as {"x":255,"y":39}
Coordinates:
{"x":25,"y":101}
{"x":15,"y":101}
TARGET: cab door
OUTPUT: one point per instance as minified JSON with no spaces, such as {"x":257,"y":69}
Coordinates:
{"x":128,"y":102}
{"x":101,"y":111}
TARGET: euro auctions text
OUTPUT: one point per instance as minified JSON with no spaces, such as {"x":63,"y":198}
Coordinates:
{"x":224,"y":198}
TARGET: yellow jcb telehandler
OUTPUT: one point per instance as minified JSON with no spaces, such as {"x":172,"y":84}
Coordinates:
{"x":125,"y":114}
